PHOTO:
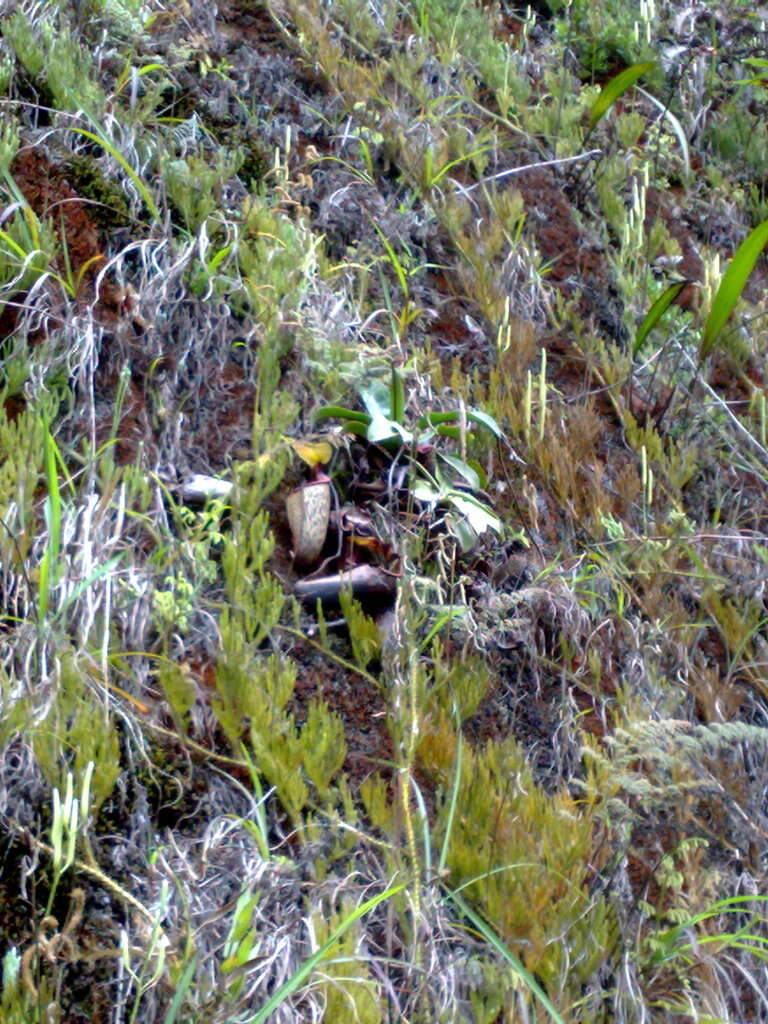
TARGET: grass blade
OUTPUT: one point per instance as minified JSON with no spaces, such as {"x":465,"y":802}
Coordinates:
{"x":181,"y":989}
{"x":677,"y":128}
{"x":441,"y":865}
{"x":396,"y":264}
{"x":289,"y":987}
{"x":43,"y":575}
{"x":13,"y":246}
{"x":149,"y":202}
{"x":732,"y":285}
{"x":49,"y":563}
{"x":656,"y":312}
{"x":54,"y":499}
{"x":96,"y":575}
{"x":615,"y":88}
{"x":443,"y":620}
{"x":493,"y":939}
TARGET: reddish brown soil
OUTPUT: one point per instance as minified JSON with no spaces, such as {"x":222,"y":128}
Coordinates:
{"x":46,"y":189}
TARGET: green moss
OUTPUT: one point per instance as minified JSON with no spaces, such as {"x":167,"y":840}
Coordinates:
{"x":256,"y":159}
{"x":349,"y":991}
{"x":523,"y":856}
{"x":108,"y":205}
{"x":603,"y":35}
{"x":76,"y":731}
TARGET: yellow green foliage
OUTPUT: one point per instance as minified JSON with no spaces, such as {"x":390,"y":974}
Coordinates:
{"x":194,"y":186}
{"x":253,"y":688}
{"x":349,"y":993}
{"x":252,"y":692}
{"x":459,"y":685}
{"x":52,"y":57}
{"x":364,"y":633}
{"x":21,"y":456}
{"x":78,"y":728}
{"x":524,"y":855}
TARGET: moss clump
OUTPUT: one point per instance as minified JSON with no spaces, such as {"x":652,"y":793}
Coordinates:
{"x":522,"y":856}
{"x":255,"y":156}
{"x":108,"y":205}
{"x":256,"y":159}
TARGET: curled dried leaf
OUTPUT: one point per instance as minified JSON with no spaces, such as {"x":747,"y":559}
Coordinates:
{"x":314,"y":453}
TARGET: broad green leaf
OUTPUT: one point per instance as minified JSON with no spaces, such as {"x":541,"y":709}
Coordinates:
{"x":465,"y":471}
{"x":484,"y":420}
{"x":380,"y":429}
{"x":375,"y":409}
{"x":482,"y":476}
{"x":656,"y":312}
{"x":616,"y":87}
{"x":433,"y":418}
{"x":478,"y":515}
{"x":378,"y":393}
{"x":462,"y":530}
{"x":732,"y":285}
{"x":382,"y":426}
{"x":357,"y":428}
{"x":427,"y":492}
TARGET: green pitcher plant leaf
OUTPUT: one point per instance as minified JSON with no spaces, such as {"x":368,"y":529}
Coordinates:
{"x":382,"y":426}
{"x":482,"y":419}
{"x":478,"y":515}
{"x":339,"y":412}
{"x":476,"y":416}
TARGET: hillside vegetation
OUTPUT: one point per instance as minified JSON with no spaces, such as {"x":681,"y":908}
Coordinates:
{"x":383,"y":507}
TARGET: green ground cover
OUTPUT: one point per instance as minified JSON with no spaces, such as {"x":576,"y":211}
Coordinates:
{"x":383,"y":506}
